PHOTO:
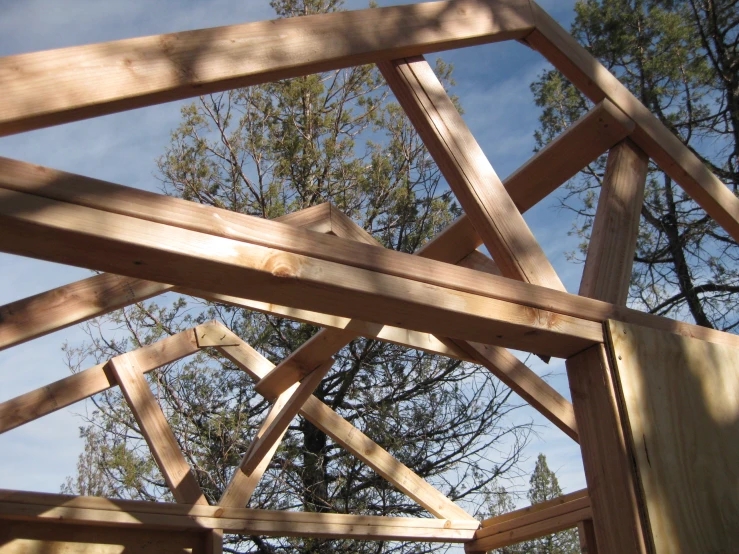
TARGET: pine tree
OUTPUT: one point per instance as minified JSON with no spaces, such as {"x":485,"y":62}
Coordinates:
{"x":266,"y":151}
{"x":681,"y":59}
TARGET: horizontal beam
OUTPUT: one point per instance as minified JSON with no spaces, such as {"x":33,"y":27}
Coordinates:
{"x":72,"y":234}
{"x":67,"y":391}
{"x":282,"y":239}
{"x":535,"y":521}
{"x":98,"y":79}
{"x":53,"y":508}
{"x":56,"y":309}
{"x":668,"y":152}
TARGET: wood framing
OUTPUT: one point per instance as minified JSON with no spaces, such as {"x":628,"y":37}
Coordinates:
{"x":647,"y":491}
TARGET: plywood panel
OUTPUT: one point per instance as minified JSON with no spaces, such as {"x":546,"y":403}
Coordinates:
{"x":681,"y":397}
{"x":25,"y":537}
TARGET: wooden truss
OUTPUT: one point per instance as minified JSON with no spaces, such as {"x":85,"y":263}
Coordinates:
{"x":318,"y":266}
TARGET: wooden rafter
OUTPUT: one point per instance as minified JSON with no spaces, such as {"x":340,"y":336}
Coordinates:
{"x":65,"y":392}
{"x":335,"y":426}
{"x":476,"y":186}
{"x":100,"y":79}
{"x":671,"y":155}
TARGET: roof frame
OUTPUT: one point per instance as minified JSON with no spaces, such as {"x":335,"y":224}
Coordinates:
{"x":72,"y":219}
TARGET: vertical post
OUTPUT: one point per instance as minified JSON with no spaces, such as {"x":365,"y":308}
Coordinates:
{"x":586,"y":531}
{"x":608,"y":468}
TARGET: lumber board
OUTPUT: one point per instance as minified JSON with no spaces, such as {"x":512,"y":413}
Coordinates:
{"x":605,"y":454}
{"x":285,"y":408}
{"x":28,"y":537}
{"x":532,"y":522}
{"x":527,"y":384}
{"x":515,"y":514}
{"x":44,"y":313}
{"x":343,"y":432}
{"x":497,"y":360}
{"x":667,"y":151}
{"x":583,"y":142}
{"x":387,"y":333}
{"x":49,"y":508}
{"x":60,"y":394}
{"x":606,"y":276}
{"x":116,"y":199}
{"x":110,"y":77}
{"x":68,"y":233}
{"x":311,"y":355}
{"x":681,"y":399}
{"x":157,"y":432}
{"x":56,"y":309}
{"x":468,"y":172}
{"x":607,"y":271}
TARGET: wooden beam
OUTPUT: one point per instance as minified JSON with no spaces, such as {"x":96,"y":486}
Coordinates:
{"x":582,"y":143}
{"x":606,"y":277}
{"x":607,"y":271}
{"x":532,"y":522}
{"x":476,"y":186}
{"x":134,"y":514}
{"x":60,"y":394}
{"x":62,"y":307}
{"x":501,"y":363}
{"x":46,"y":537}
{"x":527,"y":384}
{"x":119,"y":244}
{"x":56,"y":309}
{"x":282,"y":238}
{"x":286,"y":407}
{"x":604,"y":453}
{"x":311,"y":355}
{"x":155,"y":429}
{"x":403,"y":337}
{"x":670,"y":154}
{"x":586,"y":534}
{"x":105,"y":78}
{"x":340,"y":430}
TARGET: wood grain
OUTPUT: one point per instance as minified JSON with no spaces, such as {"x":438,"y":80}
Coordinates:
{"x":682,"y":403}
{"x":60,"y":394}
{"x":175,"y":212}
{"x":119,"y":244}
{"x":133,"y":514}
{"x":476,"y":186}
{"x":64,"y":306}
{"x":157,"y":432}
{"x":98,"y":79}
{"x":607,"y":271}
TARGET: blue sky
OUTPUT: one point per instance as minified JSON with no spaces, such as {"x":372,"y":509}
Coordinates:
{"x":493,"y":85}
